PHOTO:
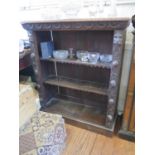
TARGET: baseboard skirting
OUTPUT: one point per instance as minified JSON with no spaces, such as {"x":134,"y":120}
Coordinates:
{"x":128,"y":135}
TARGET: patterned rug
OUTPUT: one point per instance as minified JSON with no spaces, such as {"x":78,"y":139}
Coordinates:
{"x":42,"y":134}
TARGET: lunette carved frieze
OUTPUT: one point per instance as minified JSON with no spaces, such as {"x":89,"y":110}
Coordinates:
{"x":87,"y":25}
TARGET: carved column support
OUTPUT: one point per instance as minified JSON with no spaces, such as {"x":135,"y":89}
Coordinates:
{"x":32,"y":43}
{"x":36,"y":65}
{"x":34,"y":54}
{"x":117,"y":52}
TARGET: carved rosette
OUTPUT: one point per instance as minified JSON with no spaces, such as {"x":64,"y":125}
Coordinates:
{"x":117,"y":50}
{"x":78,"y":25}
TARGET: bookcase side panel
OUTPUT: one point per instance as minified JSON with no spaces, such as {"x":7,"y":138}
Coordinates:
{"x":117,"y":52}
{"x":45,"y":93}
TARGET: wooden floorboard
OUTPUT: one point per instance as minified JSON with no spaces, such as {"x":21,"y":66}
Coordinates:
{"x":76,"y":141}
{"x":102,"y":146}
{"x":83,"y":142}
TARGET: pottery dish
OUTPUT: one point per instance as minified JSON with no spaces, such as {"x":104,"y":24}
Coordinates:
{"x":60,"y":54}
{"x":82,"y":55}
{"x":106,"y":58}
{"x":93,"y":57}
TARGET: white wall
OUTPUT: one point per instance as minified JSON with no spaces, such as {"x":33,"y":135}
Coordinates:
{"x":66,"y":9}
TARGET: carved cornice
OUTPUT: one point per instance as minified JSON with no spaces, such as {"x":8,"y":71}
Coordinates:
{"x":78,"y":25}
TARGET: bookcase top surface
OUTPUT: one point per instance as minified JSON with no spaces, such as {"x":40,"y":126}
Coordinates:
{"x":78,"y":24}
{"x":79,"y":20}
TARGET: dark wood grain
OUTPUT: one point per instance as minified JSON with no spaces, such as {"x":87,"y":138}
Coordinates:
{"x":92,"y":41}
{"x":77,"y":110}
{"x":85,"y":73}
{"x":86,"y":116}
{"x":78,"y":62}
{"x":117,"y":51}
{"x":77,"y":85}
{"x":82,"y":97}
{"x":45,"y":93}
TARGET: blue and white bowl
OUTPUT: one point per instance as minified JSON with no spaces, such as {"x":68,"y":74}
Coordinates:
{"x":60,"y":54}
{"x":105,"y":57}
{"x":93,"y":57}
{"x":82,"y":55}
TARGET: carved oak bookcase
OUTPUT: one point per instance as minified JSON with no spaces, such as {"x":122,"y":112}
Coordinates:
{"x":85,"y":94}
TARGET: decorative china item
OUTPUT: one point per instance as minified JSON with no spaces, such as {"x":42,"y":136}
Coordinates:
{"x":93,"y":57}
{"x":71,"y":53}
{"x":105,"y":57}
{"x":47,"y":49}
{"x":102,"y":57}
{"x":60,"y":54}
{"x":82,"y":55}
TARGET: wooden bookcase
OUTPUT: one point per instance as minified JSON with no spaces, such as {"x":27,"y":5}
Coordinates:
{"x":85,"y":94}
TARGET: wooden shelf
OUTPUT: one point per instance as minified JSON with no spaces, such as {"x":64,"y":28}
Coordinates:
{"x":77,"y":85}
{"x":87,"y":117}
{"x":77,"y":111}
{"x":78,"y":62}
